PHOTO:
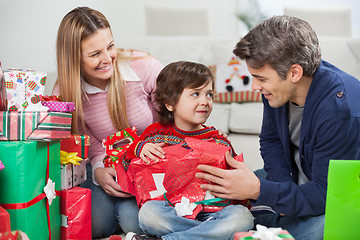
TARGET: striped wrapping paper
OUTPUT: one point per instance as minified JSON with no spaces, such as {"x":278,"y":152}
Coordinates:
{"x":239,"y":97}
{"x":40,"y":126}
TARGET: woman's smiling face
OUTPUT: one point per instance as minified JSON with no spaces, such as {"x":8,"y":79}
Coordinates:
{"x":98,"y":54}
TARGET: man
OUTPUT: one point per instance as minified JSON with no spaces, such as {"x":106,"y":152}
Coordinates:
{"x":311,"y":115}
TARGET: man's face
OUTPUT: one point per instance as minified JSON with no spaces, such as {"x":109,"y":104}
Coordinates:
{"x":276,"y":90}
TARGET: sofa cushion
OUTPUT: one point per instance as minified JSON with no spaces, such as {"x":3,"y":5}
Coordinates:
{"x":219,"y":118}
{"x":246,"y":117}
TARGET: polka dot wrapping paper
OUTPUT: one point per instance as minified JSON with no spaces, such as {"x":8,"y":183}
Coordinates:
{"x":59,"y":106}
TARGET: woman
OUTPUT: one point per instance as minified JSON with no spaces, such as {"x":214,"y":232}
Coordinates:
{"x":112,"y":90}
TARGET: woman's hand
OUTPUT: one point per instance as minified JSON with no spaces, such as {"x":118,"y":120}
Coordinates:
{"x":152,"y":151}
{"x":106,"y":178}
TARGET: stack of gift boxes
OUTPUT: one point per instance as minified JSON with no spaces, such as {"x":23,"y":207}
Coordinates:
{"x":75,"y":201}
{"x":33,"y":129}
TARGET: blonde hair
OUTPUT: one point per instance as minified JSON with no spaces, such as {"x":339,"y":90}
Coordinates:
{"x":75,"y":27}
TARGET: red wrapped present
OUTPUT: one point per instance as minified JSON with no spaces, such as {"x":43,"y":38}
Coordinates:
{"x":13,"y":235}
{"x":76,"y":143}
{"x":174,"y":175}
{"x":2,"y":90}
{"x":263,"y":232}
{"x":55,"y":105}
{"x":126,"y":137}
{"x":76,"y":213}
{"x":4,"y":220}
{"x":39,"y":126}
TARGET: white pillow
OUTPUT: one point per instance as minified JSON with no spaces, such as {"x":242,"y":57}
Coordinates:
{"x":246,"y":117}
{"x":219,"y":118}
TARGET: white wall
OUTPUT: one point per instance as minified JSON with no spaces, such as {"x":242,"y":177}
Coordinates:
{"x":28,"y":28}
{"x":276,"y":7}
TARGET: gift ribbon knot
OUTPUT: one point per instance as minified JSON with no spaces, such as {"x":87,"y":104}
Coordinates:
{"x":69,"y":157}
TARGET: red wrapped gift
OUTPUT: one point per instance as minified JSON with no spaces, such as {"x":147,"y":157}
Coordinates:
{"x":4,"y":220}
{"x":76,"y":143}
{"x":174,"y":175}
{"x":76,"y":213}
{"x":126,"y":136}
{"x":13,"y":235}
{"x":2,"y":90}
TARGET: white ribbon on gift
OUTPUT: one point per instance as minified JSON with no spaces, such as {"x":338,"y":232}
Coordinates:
{"x":184,"y":207}
{"x":264,"y":233}
{"x":49,"y":190}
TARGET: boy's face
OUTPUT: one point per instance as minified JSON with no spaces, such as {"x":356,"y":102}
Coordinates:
{"x":193,"y":108}
{"x":276,"y":90}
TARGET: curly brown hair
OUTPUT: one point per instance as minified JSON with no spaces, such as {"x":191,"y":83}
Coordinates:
{"x":172,"y":81}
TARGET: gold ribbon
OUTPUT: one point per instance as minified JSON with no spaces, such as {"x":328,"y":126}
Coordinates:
{"x":69,"y":157}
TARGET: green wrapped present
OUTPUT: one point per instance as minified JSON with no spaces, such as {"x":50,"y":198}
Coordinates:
{"x":29,"y":167}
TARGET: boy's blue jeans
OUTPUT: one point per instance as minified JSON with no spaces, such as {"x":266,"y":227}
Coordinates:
{"x":160,"y":219}
{"x":301,"y":228}
{"x":109,"y":214}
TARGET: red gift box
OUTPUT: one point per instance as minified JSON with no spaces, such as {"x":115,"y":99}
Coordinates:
{"x":13,"y":235}
{"x":4,"y":220}
{"x":76,"y":143}
{"x":127,"y":136}
{"x":2,"y":90}
{"x":174,"y":175}
{"x":76,"y":213}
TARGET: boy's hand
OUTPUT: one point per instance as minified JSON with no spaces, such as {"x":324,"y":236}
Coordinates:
{"x":222,"y":133}
{"x":152,"y":151}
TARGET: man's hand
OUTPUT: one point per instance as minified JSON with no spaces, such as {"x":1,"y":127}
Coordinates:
{"x":238,"y":183}
{"x":105,"y":177}
{"x":152,"y":151}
